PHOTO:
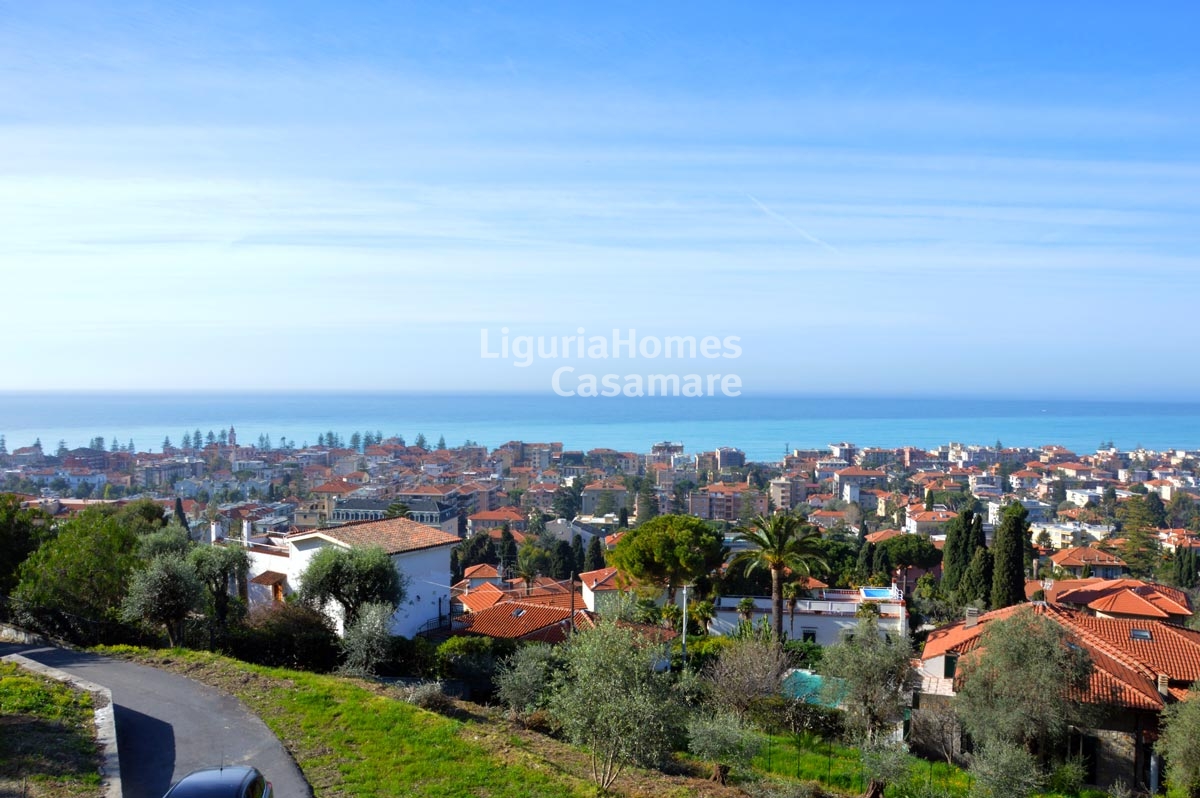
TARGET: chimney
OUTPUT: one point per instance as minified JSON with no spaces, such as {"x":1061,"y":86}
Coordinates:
{"x":1163,"y":683}
{"x":972,"y":618}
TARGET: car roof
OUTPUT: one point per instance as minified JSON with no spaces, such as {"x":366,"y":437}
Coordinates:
{"x":213,"y":782}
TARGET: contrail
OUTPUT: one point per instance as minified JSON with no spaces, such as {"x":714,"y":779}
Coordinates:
{"x":807,"y":235}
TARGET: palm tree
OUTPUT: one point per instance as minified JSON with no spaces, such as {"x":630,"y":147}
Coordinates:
{"x":529,"y":565}
{"x":791,"y":593}
{"x":780,"y":542}
{"x":703,"y":612}
{"x":397,"y":510}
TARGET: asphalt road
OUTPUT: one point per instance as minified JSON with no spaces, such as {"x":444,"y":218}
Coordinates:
{"x":169,"y":725}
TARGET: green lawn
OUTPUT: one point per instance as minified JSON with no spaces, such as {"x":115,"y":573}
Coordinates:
{"x":353,"y":741}
{"x":839,"y":767}
{"x":47,"y":738}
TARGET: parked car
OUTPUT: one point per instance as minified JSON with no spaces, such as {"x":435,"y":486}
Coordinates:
{"x":230,"y":781}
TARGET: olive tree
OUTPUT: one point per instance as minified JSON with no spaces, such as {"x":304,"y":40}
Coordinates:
{"x":612,"y":699}
{"x":163,"y":593}
{"x":523,"y":680}
{"x":1019,"y":688}
{"x":351,"y":578}
{"x":723,"y":740}
{"x":1180,"y":744}
{"x":870,"y":673}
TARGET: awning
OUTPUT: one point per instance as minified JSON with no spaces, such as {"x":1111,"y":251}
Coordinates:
{"x":269,"y":578}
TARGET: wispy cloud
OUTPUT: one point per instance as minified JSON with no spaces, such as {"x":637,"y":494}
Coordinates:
{"x":804,"y":233}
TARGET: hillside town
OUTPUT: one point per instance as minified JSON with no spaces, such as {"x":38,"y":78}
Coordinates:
{"x":523,"y":543}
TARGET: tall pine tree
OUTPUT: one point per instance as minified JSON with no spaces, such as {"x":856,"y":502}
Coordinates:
{"x":1008,"y":557}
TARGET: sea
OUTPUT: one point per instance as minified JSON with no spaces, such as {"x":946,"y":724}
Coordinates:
{"x":765,"y":427}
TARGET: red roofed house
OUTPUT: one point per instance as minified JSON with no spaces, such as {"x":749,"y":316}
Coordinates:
{"x":591,"y":495}
{"x":487,"y":520}
{"x":420,"y":553}
{"x":1139,"y":666}
{"x":1117,"y":598}
{"x":522,"y":620}
{"x":603,"y":587}
{"x":1080,"y":558}
{"x":928,"y":522}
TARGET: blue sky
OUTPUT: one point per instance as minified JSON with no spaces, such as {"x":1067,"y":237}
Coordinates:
{"x":891,"y":198}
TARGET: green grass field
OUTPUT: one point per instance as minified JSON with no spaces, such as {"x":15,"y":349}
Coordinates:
{"x":47,"y":738}
{"x":354,"y":741}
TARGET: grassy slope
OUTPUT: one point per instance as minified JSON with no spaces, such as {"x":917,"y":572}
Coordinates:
{"x":47,"y":737}
{"x":839,"y":767}
{"x":353,"y":738}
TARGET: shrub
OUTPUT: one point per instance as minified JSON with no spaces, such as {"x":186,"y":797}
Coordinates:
{"x":1068,"y":778}
{"x":367,"y":641}
{"x":724,"y":741}
{"x":288,"y":636}
{"x":430,"y":696}
{"x":803,"y":654}
{"x":523,"y":680}
{"x":473,"y":660}
{"x":1004,"y":770}
{"x":415,"y":657}
{"x":745,"y":672}
{"x":781,"y":715}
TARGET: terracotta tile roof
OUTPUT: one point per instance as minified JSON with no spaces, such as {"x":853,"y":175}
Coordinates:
{"x":495,"y":533}
{"x":1079,"y":556}
{"x":338,"y":488}
{"x":855,"y":471}
{"x":516,"y":620}
{"x":394,"y":535}
{"x":602,"y":579}
{"x":481,"y":571}
{"x":1125,"y":666}
{"x":883,"y":534}
{"x":269,"y":578}
{"x":482,"y":597}
{"x":933,"y":516}
{"x":501,"y":514}
{"x":1123,"y":596}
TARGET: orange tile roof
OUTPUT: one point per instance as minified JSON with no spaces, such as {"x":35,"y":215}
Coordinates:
{"x":515,"y":620}
{"x":855,"y":471}
{"x":1125,"y":669}
{"x":883,"y":534}
{"x":1079,"y":556}
{"x":499,"y":514}
{"x":481,"y":571}
{"x":394,"y":535}
{"x":602,"y":579}
{"x":336,"y":487}
{"x":481,"y":598}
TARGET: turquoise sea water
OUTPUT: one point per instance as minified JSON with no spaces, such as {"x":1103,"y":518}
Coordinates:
{"x":764,"y":426}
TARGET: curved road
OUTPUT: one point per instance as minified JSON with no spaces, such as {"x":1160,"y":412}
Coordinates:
{"x":169,"y":725}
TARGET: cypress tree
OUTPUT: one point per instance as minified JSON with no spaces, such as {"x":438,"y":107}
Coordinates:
{"x":957,"y":552}
{"x":976,"y":583}
{"x":882,"y":562}
{"x":562,"y":560}
{"x":577,"y":553}
{"x":866,"y":561}
{"x":594,"y":559}
{"x":1008,"y":555}
{"x":507,"y":550}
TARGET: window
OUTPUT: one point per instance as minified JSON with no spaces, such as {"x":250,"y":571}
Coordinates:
{"x":950,"y":665}
{"x":1140,"y":634}
{"x":808,"y":634}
